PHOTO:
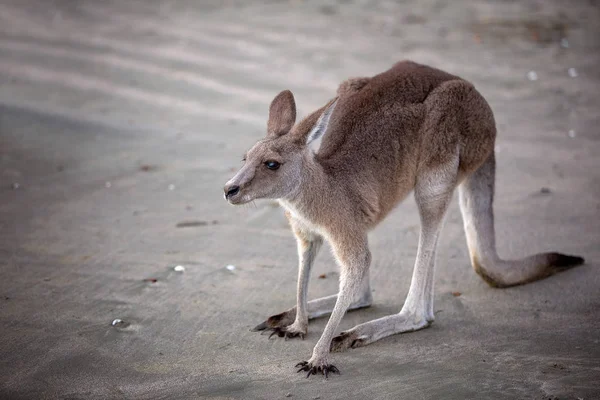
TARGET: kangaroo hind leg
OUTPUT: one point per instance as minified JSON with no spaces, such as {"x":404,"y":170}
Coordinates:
{"x":433,"y":193}
{"x":317,"y":308}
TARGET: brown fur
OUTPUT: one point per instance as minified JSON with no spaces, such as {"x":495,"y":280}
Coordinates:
{"x":390,"y":120}
{"x":412,"y":127}
{"x":282,"y":114}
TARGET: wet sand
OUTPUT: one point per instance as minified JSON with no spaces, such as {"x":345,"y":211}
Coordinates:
{"x":120,"y":121}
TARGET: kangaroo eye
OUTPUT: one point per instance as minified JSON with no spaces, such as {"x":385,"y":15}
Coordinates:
{"x":273,"y":165}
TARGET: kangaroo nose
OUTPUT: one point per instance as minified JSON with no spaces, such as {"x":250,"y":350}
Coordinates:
{"x":231,"y":191}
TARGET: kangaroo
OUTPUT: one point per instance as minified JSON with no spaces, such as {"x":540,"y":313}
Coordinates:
{"x":409,"y":128}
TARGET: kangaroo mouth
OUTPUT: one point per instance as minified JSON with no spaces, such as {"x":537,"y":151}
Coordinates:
{"x":235,"y":201}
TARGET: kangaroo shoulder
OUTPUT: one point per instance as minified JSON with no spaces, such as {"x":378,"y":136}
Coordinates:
{"x":352,"y":85}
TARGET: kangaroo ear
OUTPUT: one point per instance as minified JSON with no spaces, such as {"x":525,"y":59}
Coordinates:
{"x":321,"y":125}
{"x":282,"y":114}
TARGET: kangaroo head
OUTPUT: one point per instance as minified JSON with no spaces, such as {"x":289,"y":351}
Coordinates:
{"x":273,"y":166}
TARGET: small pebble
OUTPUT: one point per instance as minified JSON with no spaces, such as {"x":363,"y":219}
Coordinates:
{"x":147,"y":168}
{"x":107,"y":184}
{"x":230,"y":267}
{"x":191,"y":224}
{"x":116,"y":322}
{"x":573,"y":72}
{"x":179,"y":268}
{"x":571,"y":133}
{"x":288,"y":395}
{"x":171,"y":187}
{"x":15,"y":186}
{"x":564,"y":42}
{"x":545,"y":190}
{"x":532,"y":76}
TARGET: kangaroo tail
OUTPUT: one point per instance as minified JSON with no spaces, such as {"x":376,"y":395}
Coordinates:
{"x":476,"y":198}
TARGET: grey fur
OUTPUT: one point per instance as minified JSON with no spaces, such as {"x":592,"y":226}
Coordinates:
{"x":409,"y":128}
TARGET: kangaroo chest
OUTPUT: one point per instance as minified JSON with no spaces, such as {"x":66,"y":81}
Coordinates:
{"x":297,"y":214}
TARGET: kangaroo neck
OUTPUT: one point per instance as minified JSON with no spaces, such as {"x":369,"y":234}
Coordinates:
{"x":312,"y":197}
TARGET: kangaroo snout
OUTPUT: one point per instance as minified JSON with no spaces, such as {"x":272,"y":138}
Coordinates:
{"x":231,"y":190}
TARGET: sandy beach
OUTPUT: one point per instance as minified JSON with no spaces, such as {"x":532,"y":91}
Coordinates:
{"x":120,"y":122}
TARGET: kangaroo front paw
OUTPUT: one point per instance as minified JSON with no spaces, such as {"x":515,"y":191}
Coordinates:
{"x":314,"y":367}
{"x":282,"y":320}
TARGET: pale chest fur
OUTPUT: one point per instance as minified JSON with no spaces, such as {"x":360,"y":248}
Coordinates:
{"x":302,"y":218}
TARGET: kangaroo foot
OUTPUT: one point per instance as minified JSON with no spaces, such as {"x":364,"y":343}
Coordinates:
{"x":297,"y":329}
{"x":282,"y":320}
